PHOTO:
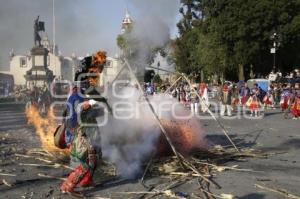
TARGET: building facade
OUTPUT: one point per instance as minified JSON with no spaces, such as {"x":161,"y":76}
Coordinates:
{"x":63,"y":67}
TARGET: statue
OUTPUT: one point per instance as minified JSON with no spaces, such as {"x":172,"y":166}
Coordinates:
{"x":38,"y":26}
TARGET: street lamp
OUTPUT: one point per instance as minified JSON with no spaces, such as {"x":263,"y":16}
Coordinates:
{"x":274,"y":38}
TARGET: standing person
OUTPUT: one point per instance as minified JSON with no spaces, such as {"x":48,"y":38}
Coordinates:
{"x":284,"y":98}
{"x":295,"y":108}
{"x":244,"y":94}
{"x":253,"y":104}
{"x":268,"y":99}
{"x":85,"y":147}
{"x":235,"y":98}
{"x":203,"y":97}
{"x":226,"y":99}
{"x":194,"y":100}
{"x":277,"y":94}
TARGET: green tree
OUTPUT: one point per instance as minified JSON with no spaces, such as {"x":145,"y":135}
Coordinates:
{"x":229,"y":35}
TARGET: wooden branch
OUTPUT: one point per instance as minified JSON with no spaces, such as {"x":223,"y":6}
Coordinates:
{"x":6,"y":183}
{"x":52,"y":177}
{"x":7,"y":174}
{"x":47,"y":165}
{"x":278,"y":191}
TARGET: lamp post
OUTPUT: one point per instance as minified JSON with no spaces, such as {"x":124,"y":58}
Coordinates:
{"x":274,"y":38}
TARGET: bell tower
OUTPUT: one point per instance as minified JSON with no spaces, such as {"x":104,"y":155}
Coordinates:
{"x":127,"y":21}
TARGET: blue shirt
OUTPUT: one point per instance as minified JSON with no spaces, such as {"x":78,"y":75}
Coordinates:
{"x":73,"y":100}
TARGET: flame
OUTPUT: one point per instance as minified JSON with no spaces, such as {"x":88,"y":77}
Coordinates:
{"x":45,"y":128}
{"x":99,"y":58}
{"x":186,"y":136}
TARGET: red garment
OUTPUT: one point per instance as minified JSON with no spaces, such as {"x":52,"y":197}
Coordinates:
{"x":284,"y":103}
{"x":225,"y":88}
{"x":236,"y":101}
{"x":80,"y":176}
{"x":267,"y":100}
{"x":202,"y":87}
{"x":254,"y":103}
{"x":253,"y":106}
{"x":244,"y":100}
{"x":295,"y":109}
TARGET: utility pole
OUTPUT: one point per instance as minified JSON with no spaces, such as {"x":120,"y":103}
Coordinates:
{"x":276,"y":44}
{"x":53,"y":17}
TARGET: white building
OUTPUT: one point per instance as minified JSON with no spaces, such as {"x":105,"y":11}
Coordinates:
{"x":63,"y":67}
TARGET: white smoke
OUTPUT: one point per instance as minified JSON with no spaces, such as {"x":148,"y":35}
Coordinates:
{"x":152,"y":26}
{"x":128,"y":142}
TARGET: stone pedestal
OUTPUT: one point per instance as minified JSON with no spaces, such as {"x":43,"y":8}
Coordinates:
{"x":39,"y":74}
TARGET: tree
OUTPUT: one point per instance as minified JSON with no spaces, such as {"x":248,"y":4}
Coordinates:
{"x":230,"y":35}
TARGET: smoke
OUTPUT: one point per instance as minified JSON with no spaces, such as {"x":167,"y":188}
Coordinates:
{"x":132,"y":135}
{"x":152,"y":26}
{"x":81,"y":26}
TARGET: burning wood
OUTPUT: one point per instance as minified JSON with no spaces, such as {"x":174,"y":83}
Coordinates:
{"x":185,"y":136}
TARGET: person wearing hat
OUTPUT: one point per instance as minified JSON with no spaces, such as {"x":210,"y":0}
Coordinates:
{"x":226,"y":100}
{"x":85,"y":147}
{"x":203,"y":97}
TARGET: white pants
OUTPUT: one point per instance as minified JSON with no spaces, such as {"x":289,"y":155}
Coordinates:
{"x":226,"y":107}
{"x":204,"y":106}
{"x":194,"y":107}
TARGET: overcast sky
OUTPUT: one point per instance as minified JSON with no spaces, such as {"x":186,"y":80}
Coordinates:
{"x":82,"y":26}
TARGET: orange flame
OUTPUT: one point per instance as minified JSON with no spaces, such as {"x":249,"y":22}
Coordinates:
{"x":45,"y":128}
{"x":186,"y":136}
{"x":99,"y":58}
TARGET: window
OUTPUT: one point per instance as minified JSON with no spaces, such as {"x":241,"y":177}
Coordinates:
{"x":23,"y":62}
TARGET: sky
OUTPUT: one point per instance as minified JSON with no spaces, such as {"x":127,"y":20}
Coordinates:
{"x":82,"y":26}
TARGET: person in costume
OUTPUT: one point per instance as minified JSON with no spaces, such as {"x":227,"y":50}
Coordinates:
{"x":235,"y":98}
{"x":268,"y":99}
{"x":85,"y":147}
{"x":203,"y":97}
{"x":295,"y":108}
{"x":71,"y":121}
{"x":284,"y":98}
{"x":244,"y":94}
{"x":194,"y":100}
{"x":253,"y":104}
{"x":226,"y":100}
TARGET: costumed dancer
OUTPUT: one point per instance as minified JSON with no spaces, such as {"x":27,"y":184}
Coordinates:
{"x":268,"y":99}
{"x":244,"y":94}
{"x":295,"y":108}
{"x":226,"y":99}
{"x":235,"y":98}
{"x":188,"y":97}
{"x":85,"y":148}
{"x":253,"y":104}
{"x":204,"y":97}
{"x":194,"y":100}
{"x":284,"y":98}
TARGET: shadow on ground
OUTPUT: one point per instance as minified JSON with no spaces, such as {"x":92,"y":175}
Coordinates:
{"x":253,"y":196}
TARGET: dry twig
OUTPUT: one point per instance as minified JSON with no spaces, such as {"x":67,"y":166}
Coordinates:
{"x":7,"y":174}
{"x":6,"y":183}
{"x":278,"y":191}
